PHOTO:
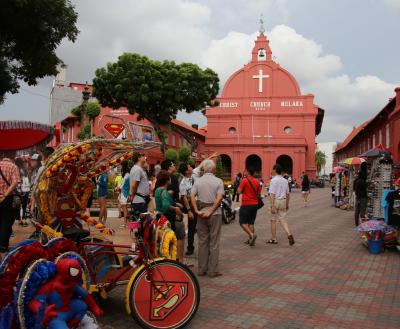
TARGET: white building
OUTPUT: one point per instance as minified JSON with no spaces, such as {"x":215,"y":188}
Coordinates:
{"x":328,"y":148}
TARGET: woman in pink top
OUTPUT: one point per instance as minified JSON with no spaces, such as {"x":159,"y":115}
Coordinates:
{"x":250,"y":189}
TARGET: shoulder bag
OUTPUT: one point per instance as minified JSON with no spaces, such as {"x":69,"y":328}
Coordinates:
{"x":260,"y":200}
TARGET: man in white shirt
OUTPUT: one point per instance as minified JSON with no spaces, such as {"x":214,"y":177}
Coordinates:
{"x":280,"y":197}
{"x":140,"y":189}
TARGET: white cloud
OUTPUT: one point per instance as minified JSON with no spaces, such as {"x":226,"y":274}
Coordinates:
{"x":347,"y":101}
{"x":393,"y":3}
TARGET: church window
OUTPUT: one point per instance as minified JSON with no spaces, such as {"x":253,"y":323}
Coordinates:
{"x":232,"y":130}
{"x":287,"y":130}
{"x":173,"y":140}
{"x":373,"y":140}
{"x":380,"y":136}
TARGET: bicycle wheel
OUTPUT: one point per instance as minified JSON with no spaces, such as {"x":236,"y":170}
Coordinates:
{"x":176,"y":309}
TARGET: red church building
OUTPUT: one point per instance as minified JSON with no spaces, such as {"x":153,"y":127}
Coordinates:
{"x":262,"y":119}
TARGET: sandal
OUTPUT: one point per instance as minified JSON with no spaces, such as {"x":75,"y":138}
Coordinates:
{"x":272,"y":241}
{"x":247,"y":241}
{"x":252,"y":241}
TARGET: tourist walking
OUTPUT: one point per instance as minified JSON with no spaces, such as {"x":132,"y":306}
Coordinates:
{"x":236,"y":183}
{"x":165,"y":204}
{"x":117,"y":185}
{"x":305,"y":189}
{"x":209,"y":191}
{"x":360,"y":189}
{"x":280,"y":197}
{"x":124,"y":188}
{"x":250,"y":188}
{"x":140,"y":188}
{"x":9,"y":179}
{"x":185,"y":188}
{"x":102,"y":193}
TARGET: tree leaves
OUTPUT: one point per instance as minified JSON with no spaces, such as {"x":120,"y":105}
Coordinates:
{"x":30,"y":32}
{"x":154,"y":90}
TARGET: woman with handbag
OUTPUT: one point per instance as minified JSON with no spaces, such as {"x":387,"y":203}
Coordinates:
{"x":9,"y":180}
{"x":250,"y":189}
{"x":165,"y":204}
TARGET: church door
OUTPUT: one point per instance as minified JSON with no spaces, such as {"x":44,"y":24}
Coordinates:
{"x":255,"y":162}
{"x":286,"y":163}
{"x":226,"y":166}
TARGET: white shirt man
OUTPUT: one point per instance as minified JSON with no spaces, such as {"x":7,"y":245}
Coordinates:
{"x":280,"y":197}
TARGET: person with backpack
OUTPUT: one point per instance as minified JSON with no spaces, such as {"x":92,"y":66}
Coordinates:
{"x":124,"y":188}
{"x":250,"y":189}
{"x":236,"y":183}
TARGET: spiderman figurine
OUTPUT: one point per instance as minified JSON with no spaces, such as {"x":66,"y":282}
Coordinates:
{"x":64,"y":301}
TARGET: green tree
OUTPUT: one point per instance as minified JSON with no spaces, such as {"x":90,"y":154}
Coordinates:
{"x":172,"y":155}
{"x":87,"y":112}
{"x":184,"y":154}
{"x":155,"y":90}
{"x":31,"y":30}
{"x":320,"y":160}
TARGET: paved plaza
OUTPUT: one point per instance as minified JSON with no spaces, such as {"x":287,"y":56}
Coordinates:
{"x":326,"y":280}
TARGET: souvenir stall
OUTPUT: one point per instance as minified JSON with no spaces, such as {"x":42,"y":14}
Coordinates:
{"x":380,"y":231}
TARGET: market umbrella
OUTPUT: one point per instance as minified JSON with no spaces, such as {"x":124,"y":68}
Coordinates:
{"x":19,"y":135}
{"x":338,"y":169}
{"x":377,"y":151}
{"x":371,"y":225}
{"x":354,"y":161}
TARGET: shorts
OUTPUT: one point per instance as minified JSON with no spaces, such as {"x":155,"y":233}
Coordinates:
{"x":123,"y":201}
{"x":306,"y":190}
{"x":176,"y":226}
{"x":248,"y":214}
{"x":280,"y":210}
{"x":139,"y":207}
{"x":102,"y":193}
{"x":180,"y":230}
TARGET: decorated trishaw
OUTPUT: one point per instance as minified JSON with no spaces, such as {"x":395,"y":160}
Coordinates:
{"x":55,"y":282}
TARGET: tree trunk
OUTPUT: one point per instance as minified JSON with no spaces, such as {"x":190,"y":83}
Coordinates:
{"x":161,"y":137}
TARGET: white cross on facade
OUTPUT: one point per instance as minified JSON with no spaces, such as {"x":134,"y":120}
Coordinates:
{"x":260,"y":77}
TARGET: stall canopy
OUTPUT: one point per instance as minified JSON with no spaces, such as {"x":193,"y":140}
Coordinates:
{"x":377,"y":151}
{"x":354,"y":161}
{"x":19,"y":135}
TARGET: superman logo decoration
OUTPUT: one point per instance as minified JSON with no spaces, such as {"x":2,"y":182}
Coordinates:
{"x":115,"y":129}
{"x":165,"y":298}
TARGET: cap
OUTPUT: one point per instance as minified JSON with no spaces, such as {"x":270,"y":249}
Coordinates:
{"x":35,"y":156}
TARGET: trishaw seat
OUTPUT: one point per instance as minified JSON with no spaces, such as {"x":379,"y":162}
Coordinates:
{"x":75,"y":234}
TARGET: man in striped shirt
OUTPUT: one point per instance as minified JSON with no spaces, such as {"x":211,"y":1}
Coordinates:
{"x":9,"y":179}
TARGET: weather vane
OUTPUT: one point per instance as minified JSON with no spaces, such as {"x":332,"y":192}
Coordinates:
{"x":262,"y":29}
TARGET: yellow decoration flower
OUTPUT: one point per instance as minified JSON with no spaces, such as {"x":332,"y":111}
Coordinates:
{"x":169,"y":245}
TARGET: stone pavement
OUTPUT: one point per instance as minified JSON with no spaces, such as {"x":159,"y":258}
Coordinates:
{"x":326,"y":280}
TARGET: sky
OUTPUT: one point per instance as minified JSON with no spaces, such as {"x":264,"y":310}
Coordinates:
{"x":345,"y":52}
